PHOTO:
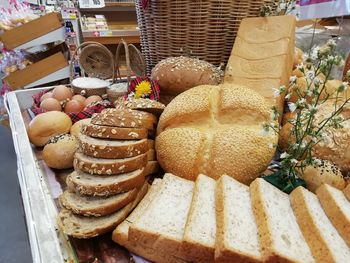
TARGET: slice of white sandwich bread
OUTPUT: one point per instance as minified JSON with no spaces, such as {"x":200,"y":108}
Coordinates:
{"x":280,"y":237}
{"x":337,"y":208}
{"x":237,"y":234}
{"x":87,"y":227}
{"x":325,"y":242}
{"x":96,"y":206}
{"x":161,"y":227}
{"x":347,"y":192}
{"x":200,"y":230}
{"x":99,"y":185}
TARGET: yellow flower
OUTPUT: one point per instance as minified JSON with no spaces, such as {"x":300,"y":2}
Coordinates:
{"x":143,"y":88}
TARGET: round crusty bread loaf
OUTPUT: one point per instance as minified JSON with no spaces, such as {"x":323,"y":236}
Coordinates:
{"x":47,"y":125}
{"x":215,"y":130}
{"x":76,"y":128}
{"x":59,"y":152}
{"x":177,"y":74}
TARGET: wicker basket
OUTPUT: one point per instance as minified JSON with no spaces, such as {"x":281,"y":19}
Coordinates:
{"x":205,"y":29}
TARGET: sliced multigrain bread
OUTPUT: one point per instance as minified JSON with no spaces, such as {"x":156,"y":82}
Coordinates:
{"x":237,"y":233}
{"x":95,"y":205}
{"x":161,"y":227}
{"x":152,"y":167}
{"x":125,"y":118}
{"x":100,"y":166}
{"x":337,"y":208}
{"x":87,"y":227}
{"x":96,"y":185}
{"x":323,"y":239}
{"x":347,"y":192}
{"x":281,"y":239}
{"x":148,"y":105}
{"x":109,"y":149}
{"x":200,"y":230}
{"x":107,"y":132}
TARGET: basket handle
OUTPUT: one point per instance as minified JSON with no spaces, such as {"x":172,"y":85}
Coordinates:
{"x":127,"y":58}
{"x":84,"y":45}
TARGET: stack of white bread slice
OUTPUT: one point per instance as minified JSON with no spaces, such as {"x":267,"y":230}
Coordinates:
{"x":226,"y":221}
{"x":115,"y":155}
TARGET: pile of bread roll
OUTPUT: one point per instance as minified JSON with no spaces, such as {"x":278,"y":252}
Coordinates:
{"x":115,"y":155}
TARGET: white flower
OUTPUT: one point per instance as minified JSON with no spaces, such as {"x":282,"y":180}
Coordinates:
{"x":313,"y":108}
{"x":300,"y":67}
{"x":308,"y":92}
{"x":276,"y":92}
{"x":293,"y":79}
{"x":292,"y":106}
{"x":301,"y":101}
{"x":294,"y":161}
{"x":284,"y":155}
{"x":331,"y":43}
{"x":317,"y":81}
{"x":314,"y":53}
{"x":287,"y":97}
{"x":271,"y":145}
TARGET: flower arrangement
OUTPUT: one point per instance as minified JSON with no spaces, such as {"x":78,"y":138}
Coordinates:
{"x":282,"y":7}
{"x":307,"y":127}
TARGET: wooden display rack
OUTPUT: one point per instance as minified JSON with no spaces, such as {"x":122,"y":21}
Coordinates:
{"x":37,"y":71}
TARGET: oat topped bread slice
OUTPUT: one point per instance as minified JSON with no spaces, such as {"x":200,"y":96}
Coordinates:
{"x":141,"y":104}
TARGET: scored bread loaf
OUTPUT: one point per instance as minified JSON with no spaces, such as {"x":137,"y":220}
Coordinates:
{"x":107,"y":132}
{"x":96,"y":185}
{"x":87,"y":227}
{"x":324,"y":241}
{"x":237,"y":234}
{"x":96,"y":206}
{"x":100,"y":166}
{"x":347,"y":192}
{"x":125,"y":118}
{"x":162,"y":231}
{"x":337,"y":208}
{"x":111,"y":149}
{"x":281,"y":239}
{"x":200,"y":231}
{"x":215,"y":130}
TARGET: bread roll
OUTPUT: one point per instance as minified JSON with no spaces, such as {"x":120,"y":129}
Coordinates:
{"x":75,"y":129}
{"x":178,"y":74}
{"x":215,"y":130}
{"x":59,"y":152}
{"x":46,"y":125}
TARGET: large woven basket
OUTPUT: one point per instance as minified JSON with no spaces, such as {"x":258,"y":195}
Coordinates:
{"x":205,"y":29}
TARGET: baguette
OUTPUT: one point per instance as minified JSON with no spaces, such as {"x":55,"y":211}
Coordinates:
{"x":337,"y":208}
{"x":100,"y":166}
{"x":87,"y":227}
{"x":95,"y":185}
{"x":200,"y":230}
{"x":161,"y":231}
{"x":237,"y":234}
{"x":281,"y":239}
{"x":96,"y":206}
{"x":323,"y":239}
{"x":116,"y":149}
{"x":125,"y":118}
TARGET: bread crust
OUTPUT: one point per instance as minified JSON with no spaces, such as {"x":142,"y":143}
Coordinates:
{"x":151,"y":106}
{"x":114,"y":166}
{"x":152,"y":167}
{"x":107,"y":132}
{"x":347,"y":192}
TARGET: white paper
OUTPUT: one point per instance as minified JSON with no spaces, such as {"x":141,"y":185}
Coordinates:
{"x":91,"y":3}
{"x":310,"y":9}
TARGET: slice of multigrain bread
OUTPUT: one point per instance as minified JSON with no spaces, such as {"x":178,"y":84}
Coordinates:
{"x":337,"y":208}
{"x":161,"y":227}
{"x":323,"y":239}
{"x":96,"y":185}
{"x":237,"y":233}
{"x":200,"y":230}
{"x":87,"y":227}
{"x":152,"y":167}
{"x":111,"y":149}
{"x":96,"y":206}
{"x":280,"y":237}
{"x":101,"y":166}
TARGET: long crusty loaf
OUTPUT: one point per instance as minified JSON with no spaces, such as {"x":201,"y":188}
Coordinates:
{"x":200,"y":230}
{"x":96,"y":206}
{"x":100,"y":166}
{"x":109,"y":149}
{"x":337,"y":208}
{"x":162,"y":226}
{"x":237,"y":234}
{"x":107,"y":132}
{"x":87,"y":227}
{"x":281,"y":239}
{"x":125,"y":118}
{"x":324,"y":241}
{"x":96,"y":185}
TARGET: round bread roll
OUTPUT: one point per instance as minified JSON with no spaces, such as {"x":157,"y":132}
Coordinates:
{"x":46,"y":125}
{"x":326,"y":173}
{"x":59,"y":152}
{"x":298,"y":57}
{"x":75,"y":129}
{"x":178,"y":74}
{"x":216,"y":130}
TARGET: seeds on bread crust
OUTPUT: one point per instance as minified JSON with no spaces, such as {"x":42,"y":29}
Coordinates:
{"x":107,"y":132}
